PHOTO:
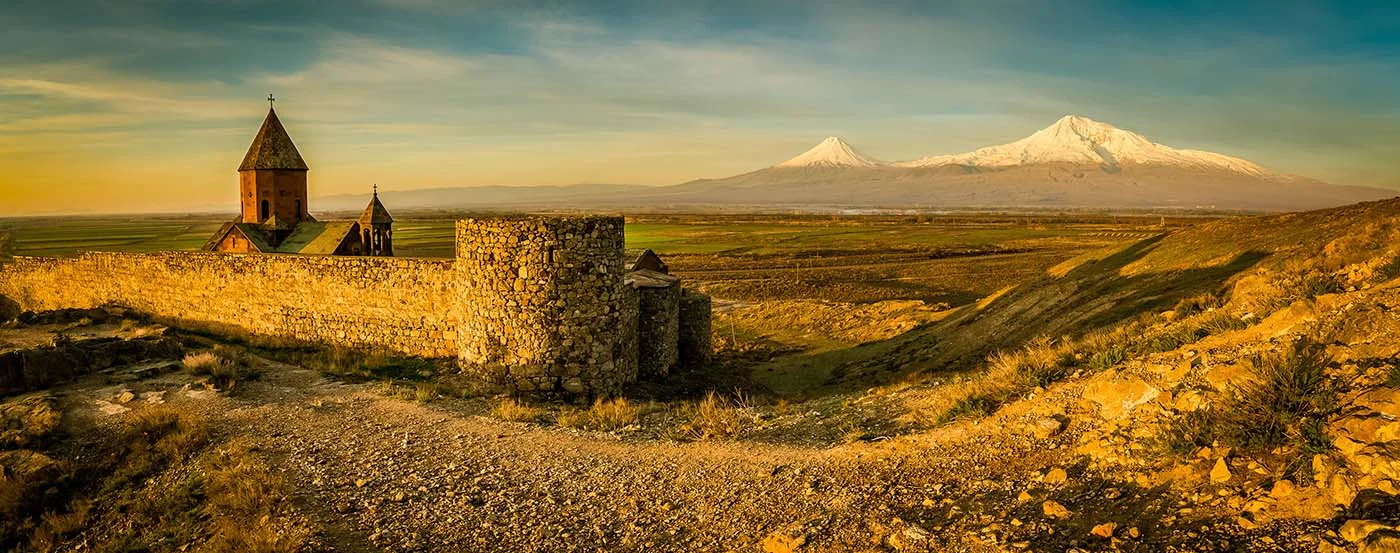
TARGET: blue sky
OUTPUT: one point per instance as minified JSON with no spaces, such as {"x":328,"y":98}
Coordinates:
{"x":150,"y":104}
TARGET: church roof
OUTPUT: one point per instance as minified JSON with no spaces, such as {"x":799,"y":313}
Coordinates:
{"x":375,"y":213}
{"x":306,"y":238}
{"x":316,"y":238}
{"x":646,"y":278}
{"x":272,"y":148}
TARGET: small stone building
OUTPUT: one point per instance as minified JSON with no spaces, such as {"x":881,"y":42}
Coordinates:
{"x":275,"y":216}
{"x":673,"y":322}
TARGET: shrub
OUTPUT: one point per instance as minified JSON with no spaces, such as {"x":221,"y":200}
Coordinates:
{"x":424,"y":392}
{"x":1201,"y":303}
{"x":1219,"y":323}
{"x":1283,"y":408}
{"x":513,"y":410}
{"x":165,"y":431}
{"x":969,"y":407}
{"x":1187,"y":433}
{"x":1108,"y":357}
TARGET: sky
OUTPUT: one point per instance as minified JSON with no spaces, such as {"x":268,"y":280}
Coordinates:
{"x":149,"y":105}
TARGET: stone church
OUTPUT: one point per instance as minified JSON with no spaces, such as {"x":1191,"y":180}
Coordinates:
{"x":275,"y":215}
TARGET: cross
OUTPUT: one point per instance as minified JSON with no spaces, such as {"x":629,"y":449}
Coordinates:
{"x":270,"y":100}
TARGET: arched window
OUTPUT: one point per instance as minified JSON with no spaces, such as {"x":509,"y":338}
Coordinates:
{"x":265,"y":210}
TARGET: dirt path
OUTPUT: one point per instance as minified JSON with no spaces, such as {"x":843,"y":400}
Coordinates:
{"x":378,"y":473}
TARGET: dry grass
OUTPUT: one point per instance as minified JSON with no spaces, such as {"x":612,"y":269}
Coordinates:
{"x":513,"y":410}
{"x":1280,"y":412}
{"x":161,"y":484}
{"x":223,"y":367}
{"x":604,"y":415}
{"x":247,"y":502}
{"x":717,"y":417}
{"x":1042,"y":361}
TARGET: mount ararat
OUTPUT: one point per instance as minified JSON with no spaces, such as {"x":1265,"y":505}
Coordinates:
{"x":1074,"y":163}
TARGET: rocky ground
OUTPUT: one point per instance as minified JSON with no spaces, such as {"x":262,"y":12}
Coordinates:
{"x":380,"y":473}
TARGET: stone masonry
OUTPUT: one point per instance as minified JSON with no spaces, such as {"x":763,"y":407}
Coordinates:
{"x":540,"y":300}
{"x":533,"y":304}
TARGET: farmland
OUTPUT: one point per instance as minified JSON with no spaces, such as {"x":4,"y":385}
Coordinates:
{"x":950,"y":259}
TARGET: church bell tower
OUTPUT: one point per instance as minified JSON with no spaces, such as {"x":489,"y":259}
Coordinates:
{"x":272,"y":178}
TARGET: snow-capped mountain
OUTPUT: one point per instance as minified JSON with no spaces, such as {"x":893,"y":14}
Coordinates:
{"x":1076,"y":162}
{"x":832,"y":152}
{"x":1080,"y":140}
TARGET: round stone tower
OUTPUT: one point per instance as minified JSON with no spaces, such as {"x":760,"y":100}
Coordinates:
{"x":539,"y":299}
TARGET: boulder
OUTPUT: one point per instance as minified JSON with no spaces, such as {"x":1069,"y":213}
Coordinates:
{"x":1119,"y":397}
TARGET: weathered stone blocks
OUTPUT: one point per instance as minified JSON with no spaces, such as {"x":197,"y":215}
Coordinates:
{"x":533,"y":304}
{"x":539,"y":299}
{"x":658,"y":322}
{"x":695,"y":334}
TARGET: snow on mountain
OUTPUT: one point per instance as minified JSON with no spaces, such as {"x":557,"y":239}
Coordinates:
{"x":1080,"y":140}
{"x":832,"y":152}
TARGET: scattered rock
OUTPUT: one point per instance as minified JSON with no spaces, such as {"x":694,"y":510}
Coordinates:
{"x":1356,"y":530}
{"x":912,"y":538}
{"x":783,"y":542}
{"x":1282,"y":489}
{"x":1055,"y":476}
{"x":1104,"y":530}
{"x":1341,"y":489}
{"x":125,"y":396}
{"x":1048,"y":427}
{"x":1221,"y":473}
{"x":1117,"y":398}
{"x":1054,"y":509}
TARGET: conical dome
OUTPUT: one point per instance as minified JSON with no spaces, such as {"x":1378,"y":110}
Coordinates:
{"x":272,"y":148}
{"x":375,"y":213}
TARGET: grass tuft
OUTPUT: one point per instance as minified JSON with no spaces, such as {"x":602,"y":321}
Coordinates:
{"x":717,"y":417}
{"x":513,"y":410}
{"x":223,"y":367}
{"x":604,"y":415}
{"x":1281,"y":411}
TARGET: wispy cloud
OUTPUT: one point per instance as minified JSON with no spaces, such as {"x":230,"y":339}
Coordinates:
{"x":422,"y":92}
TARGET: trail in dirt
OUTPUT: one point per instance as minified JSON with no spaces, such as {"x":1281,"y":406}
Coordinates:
{"x":385,"y":473}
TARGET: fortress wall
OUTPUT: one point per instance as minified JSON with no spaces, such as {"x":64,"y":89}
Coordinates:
{"x":402,"y":305}
{"x":540,"y":298}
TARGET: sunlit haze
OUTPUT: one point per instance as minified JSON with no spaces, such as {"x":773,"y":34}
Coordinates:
{"x":149,"y":106}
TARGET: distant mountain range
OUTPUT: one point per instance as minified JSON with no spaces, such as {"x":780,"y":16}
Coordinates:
{"x":1074,"y":163}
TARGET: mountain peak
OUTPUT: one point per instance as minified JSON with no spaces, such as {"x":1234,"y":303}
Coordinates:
{"x":832,"y":152}
{"x":1079,"y":140}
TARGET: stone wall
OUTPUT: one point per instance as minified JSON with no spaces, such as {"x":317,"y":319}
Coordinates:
{"x":540,"y":297}
{"x":400,"y":305}
{"x":533,"y":304}
{"x":696,"y":342}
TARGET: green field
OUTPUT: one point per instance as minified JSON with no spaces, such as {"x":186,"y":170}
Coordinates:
{"x":433,"y":237}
